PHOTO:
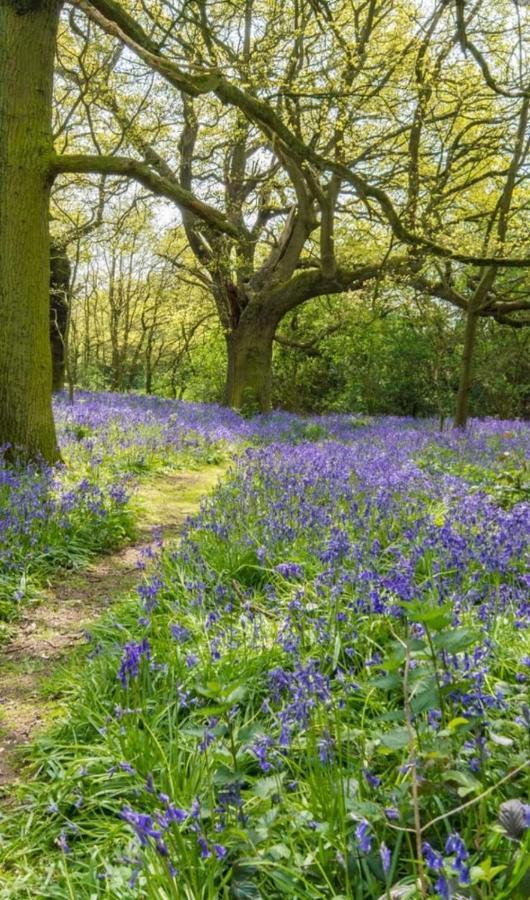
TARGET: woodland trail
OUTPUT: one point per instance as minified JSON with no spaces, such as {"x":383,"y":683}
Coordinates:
{"x":48,"y":633}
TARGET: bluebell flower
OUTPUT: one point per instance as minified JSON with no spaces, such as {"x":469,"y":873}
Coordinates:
{"x":441,"y":886}
{"x":62,"y":842}
{"x":386,"y":857}
{"x":133,"y":652}
{"x":261,"y":748}
{"x":454,"y":845}
{"x":364,"y":839}
{"x":325,"y":748}
{"x":203,"y":846}
{"x":371,"y":779}
{"x":142,"y":824}
{"x":179,"y":632}
{"x":433,"y":859}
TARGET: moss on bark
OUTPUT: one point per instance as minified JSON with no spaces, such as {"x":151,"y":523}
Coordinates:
{"x":27,"y":49}
{"x":249,"y":375}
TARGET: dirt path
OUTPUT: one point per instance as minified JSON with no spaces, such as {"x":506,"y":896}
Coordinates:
{"x":49,"y":632}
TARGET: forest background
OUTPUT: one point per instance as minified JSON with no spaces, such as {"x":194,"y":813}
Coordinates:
{"x":336,"y":193}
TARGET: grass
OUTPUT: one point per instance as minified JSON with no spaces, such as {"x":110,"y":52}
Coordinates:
{"x":321,"y":693}
{"x":161,"y":492}
{"x":60,"y":518}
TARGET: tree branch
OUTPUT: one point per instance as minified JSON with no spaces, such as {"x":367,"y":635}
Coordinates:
{"x":309,"y":284}
{"x":115,"y":21}
{"x":310,"y":348}
{"x":124,"y":167}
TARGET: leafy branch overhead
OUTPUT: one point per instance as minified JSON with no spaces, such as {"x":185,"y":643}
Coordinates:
{"x":299,"y":150}
{"x":286,"y":141}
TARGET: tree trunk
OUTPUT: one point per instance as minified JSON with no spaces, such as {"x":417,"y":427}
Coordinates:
{"x":27,"y":48}
{"x":148,"y":376}
{"x":148,"y":368}
{"x":116,"y":367}
{"x":60,"y":274}
{"x":466,"y":370}
{"x":249,"y":374}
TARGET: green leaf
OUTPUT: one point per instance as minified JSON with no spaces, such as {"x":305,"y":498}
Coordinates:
{"x":236,"y":694}
{"x":242,"y":887}
{"x":435,"y":617}
{"x":393,"y":715}
{"x":396,"y":739}
{"x":265,"y":787}
{"x":394,"y":659}
{"x":279,"y":851}
{"x":386,"y":682}
{"x":485,"y":871}
{"x":212,"y":689}
{"x":458,"y":722}
{"x":456,"y":640}
{"x":225,"y":775}
{"x":467,"y":784}
{"x":365,"y":809}
{"x":285,"y":882}
{"x":247,"y":733}
{"x":426,"y":699}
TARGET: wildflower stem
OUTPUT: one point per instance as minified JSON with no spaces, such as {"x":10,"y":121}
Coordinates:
{"x":414,"y":774}
{"x":477,"y":799}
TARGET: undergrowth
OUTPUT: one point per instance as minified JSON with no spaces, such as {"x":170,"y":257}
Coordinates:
{"x":322,"y":692}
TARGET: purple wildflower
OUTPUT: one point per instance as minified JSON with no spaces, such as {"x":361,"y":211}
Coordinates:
{"x":130,"y":663}
{"x":386,"y":857}
{"x":364,"y":839}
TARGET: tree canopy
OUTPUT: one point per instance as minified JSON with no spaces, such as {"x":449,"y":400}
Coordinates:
{"x":309,"y":149}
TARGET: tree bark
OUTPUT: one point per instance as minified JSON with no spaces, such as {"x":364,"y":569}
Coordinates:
{"x":466,"y":370}
{"x":249,"y":370}
{"x":60,"y":273}
{"x":27,"y":48}
{"x":149,"y":364}
{"x":251,"y":325}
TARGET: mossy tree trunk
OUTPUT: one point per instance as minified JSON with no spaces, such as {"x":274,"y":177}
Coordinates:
{"x":251,"y":327}
{"x":466,"y":370}
{"x":249,"y":368}
{"x":27,"y":48}
{"x":60,"y":274}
